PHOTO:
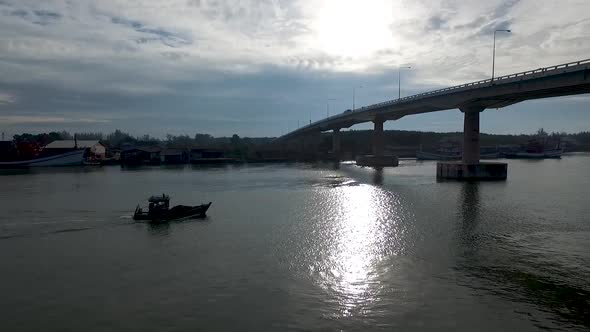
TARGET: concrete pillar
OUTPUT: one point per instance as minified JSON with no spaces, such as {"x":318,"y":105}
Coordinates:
{"x":301,"y":152}
{"x":378,"y":159}
{"x":336,"y":142}
{"x":471,"y":134}
{"x":470,"y":168}
{"x":378,"y":137}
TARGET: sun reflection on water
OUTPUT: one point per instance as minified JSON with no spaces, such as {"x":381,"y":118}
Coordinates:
{"x":364,"y":227}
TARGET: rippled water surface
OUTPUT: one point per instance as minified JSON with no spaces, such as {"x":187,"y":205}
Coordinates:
{"x":298,"y":246}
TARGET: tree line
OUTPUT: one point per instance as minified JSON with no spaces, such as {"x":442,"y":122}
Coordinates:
{"x":353,"y":140}
{"x":118,"y":138}
{"x":361,"y":141}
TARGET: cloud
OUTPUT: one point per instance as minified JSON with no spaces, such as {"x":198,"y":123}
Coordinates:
{"x":19,"y":119}
{"x":262,"y":59}
{"x":39,"y":17}
{"x":6,"y":99}
{"x":150,"y":34}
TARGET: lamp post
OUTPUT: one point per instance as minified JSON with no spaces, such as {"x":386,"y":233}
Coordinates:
{"x":353,"y":95}
{"x":399,"y":81}
{"x":494,"y":52}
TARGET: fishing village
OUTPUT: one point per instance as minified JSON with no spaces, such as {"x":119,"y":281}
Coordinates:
{"x":119,"y":148}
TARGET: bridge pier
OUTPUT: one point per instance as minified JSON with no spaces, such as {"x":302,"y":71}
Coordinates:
{"x":378,"y":158}
{"x":471,"y":135}
{"x":470,"y":168}
{"x":378,"y":137}
{"x":336,"y":144}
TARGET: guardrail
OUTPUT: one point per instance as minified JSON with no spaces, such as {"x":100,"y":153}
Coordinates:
{"x":456,"y":88}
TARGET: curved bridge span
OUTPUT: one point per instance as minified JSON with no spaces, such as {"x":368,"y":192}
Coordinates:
{"x":560,"y":80}
{"x":471,"y":98}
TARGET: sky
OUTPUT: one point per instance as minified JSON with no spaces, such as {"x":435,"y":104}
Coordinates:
{"x":264,"y":67}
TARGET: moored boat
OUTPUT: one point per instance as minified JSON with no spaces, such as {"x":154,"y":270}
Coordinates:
{"x":453,"y":151}
{"x":546,"y":154}
{"x":69,"y":158}
{"x":159,"y":210}
{"x":423,"y":155}
{"x":447,"y":150}
{"x":536,"y":149}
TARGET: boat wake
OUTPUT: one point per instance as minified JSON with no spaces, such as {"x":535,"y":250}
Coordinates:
{"x":68,"y":230}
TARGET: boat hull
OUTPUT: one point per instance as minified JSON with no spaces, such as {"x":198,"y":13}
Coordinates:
{"x":421,"y":155}
{"x":549,"y":154}
{"x":177,"y":213}
{"x":72,"y":158}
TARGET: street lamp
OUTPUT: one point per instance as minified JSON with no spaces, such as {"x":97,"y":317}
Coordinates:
{"x":353,"y":94}
{"x":328,"y":107}
{"x":399,"y":81}
{"x":494,"y":52}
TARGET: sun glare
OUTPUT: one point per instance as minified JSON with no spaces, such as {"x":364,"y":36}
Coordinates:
{"x":353,"y":28}
{"x":362,"y":217}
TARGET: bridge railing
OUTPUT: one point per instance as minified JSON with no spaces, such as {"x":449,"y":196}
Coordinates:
{"x":467,"y":86}
{"x":477,"y":84}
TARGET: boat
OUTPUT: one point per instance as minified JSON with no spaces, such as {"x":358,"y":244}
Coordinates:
{"x":545,"y":154}
{"x":423,"y":155}
{"x":454,"y":152}
{"x":536,"y":149}
{"x":26,"y":154}
{"x":70,"y":158}
{"x":159,"y":210}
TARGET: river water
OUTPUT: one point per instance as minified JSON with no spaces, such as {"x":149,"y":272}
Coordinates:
{"x":299,"y":247}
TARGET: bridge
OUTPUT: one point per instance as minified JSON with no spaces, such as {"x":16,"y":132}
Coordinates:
{"x":471,"y":98}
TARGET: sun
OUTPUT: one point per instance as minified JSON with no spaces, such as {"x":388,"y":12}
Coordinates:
{"x":353,"y":28}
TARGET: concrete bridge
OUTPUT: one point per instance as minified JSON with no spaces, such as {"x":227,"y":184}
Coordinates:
{"x":471,"y":98}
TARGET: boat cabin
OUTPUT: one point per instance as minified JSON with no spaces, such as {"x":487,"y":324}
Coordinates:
{"x":157,"y":203}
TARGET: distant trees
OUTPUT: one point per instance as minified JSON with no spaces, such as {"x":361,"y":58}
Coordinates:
{"x":41,"y":139}
{"x":117,"y":138}
{"x":359,"y":141}
{"x":238,"y":150}
{"x":203,"y":139}
{"x":181,"y":141}
{"x":235,"y":140}
{"x":89,"y":136}
{"x":582,"y":138}
{"x":542,"y":133}
{"x":62,"y":135}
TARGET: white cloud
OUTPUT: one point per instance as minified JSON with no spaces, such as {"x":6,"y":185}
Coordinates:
{"x":6,"y":98}
{"x":24,"y":119}
{"x":150,"y":48}
{"x":171,"y":40}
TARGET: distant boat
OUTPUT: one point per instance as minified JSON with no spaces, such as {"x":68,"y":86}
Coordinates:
{"x":536,"y":149}
{"x":453,"y":152}
{"x":421,"y":155}
{"x":546,"y":154}
{"x":159,"y":210}
{"x":70,"y":158}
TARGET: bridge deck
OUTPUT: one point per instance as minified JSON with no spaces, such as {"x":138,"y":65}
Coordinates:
{"x":560,"y":80}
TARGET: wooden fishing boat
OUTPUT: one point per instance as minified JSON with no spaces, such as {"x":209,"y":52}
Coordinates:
{"x":159,"y":210}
